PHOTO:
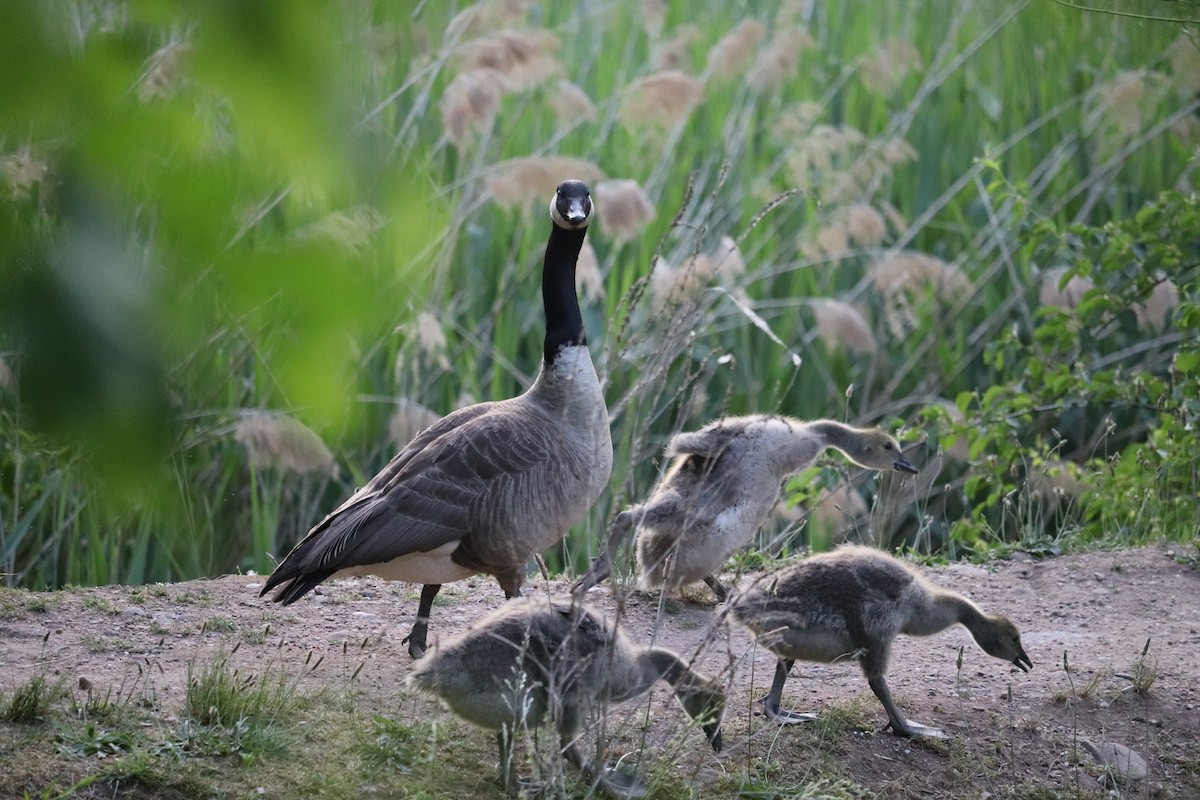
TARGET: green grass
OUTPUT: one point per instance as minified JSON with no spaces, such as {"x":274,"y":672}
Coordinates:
{"x":278,"y":255}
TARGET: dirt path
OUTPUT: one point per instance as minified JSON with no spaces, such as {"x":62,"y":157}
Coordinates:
{"x":1098,"y":609}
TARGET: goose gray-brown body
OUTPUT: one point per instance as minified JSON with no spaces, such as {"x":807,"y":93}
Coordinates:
{"x":489,"y":485}
{"x":535,"y":657}
{"x":853,"y":602}
{"x":720,"y":488}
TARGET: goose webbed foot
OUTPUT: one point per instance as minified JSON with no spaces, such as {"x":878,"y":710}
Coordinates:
{"x":909,"y":729}
{"x":621,"y":784}
{"x":416,"y":642}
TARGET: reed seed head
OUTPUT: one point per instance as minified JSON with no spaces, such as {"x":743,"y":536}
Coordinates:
{"x":883,"y":70}
{"x":865,"y":226}
{"x":675,"y":53}
{"x":531,"y":179}
{"x":349,"y":231}
{"x":902,"y":277}
{"x":22,"y":171}
{"x":571,"y":104}
{"x":1054,"y":292}
{"x":736,"y":49}
{"x":524,"y":58}
{"x":654,"y":16}
{"x":589,"y":283}
{"x":780,"y":61}
{"x":409,"y":419}
{"x":486,"y":16}
{"x":663,"y":98}
{"x":623,"y":208}
{"x":470,"y":103}
{"x":841,"y":326}
{"x":838,"y":510}
{"x":164,"y":73}
{"x":278,"y":440}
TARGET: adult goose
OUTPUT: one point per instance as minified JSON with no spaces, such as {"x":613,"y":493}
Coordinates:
{"x":489,"y":485}
{"x":852,"y":603}
{"x":720,"y":488}
{"x":534,"y":657}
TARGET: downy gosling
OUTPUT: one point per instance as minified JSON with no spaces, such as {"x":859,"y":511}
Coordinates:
{"x":721,"y":487}
{"x":532,"y":657}
{"x":853,"y":602}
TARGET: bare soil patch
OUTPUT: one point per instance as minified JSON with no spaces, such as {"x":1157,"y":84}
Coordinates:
{"x":1085,"y":620}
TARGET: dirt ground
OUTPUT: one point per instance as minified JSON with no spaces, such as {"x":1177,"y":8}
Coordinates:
{"x":1013,"y":734}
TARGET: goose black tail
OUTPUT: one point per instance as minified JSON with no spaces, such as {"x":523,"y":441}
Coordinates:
{"x":297,"y":587}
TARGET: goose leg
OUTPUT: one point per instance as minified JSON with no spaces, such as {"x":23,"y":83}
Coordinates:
{"x":896,"y":721}
{"x":720,"y":591}
{"x":602,"y":565}
{"x":771,"y":701}
{"x":420,"y":628}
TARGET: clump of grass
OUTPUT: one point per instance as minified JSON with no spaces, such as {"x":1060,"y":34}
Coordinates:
{"x":19,"y":603}
{"x":99,"y":603}
{"x":242,"y":712}
{"x":218,"y":625}
{"x":1143,"y":673}
{"x":31,"y":701}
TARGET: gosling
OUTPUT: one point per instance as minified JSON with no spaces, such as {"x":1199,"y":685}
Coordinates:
{"x":852,"y":603}
{"x":720,"y":489}
{"x":533,"y":656}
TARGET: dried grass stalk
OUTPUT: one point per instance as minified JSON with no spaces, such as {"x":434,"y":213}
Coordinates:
{"x":22,"y":172}
{"x":904,"y":276}
{"x":164,"y":73}
{"x":589,"y":283}
{"x":675,"y":53}
{"x":884,"y":70}
{"x":470,"y":103}
{"x":780,"y":62}
{"x":736,"y":49}
{"x":523,"y":58}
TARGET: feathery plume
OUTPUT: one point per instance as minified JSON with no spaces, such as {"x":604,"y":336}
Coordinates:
{"x":523,"y":58}
{"x":654,"y":15}
{"x":430,"y":338}
{"x":1185,"y":64}
{"x":22,"y":172}
{"x":1152,"y":316}
{"x":589,"y":283}
{"x":278,"y":440}
{"x":350,"y":231}
{"x":842,"y":326}
{"x":1057,"y":480}
{"x":865,"y":226}
{"x":571,"y":104}
{"x":900,"y":277}
{"x":780,"y":61}
{"x":485,"y":16}
{"x":675,"y":53}
{"x":736,"y":49}
{"x":1121,"y":101}
{"x":164,"y":72}
{"x":830,"y":242}
{"x":1054,"y":292}
{"x":884,"y":70}
{"x":409,"y":419}
{"x":727,"y":260}
{"x":623,"y":208}
{"x":470,"y":104}
{"x":521,"y":181}
{"x":664,"y":98}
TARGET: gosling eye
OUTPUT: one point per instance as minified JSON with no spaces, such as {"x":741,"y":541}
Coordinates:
{"x":887,"y":445}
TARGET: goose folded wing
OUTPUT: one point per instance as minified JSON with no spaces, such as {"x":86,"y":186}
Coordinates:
{"x":437,"y":496}
{"x":707,"y":442}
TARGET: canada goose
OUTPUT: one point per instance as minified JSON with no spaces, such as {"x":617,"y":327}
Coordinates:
{"x":722,"y":486}
{"x":534,"y":656}
{"x":852,"y":602}
{"x":489,"y":485}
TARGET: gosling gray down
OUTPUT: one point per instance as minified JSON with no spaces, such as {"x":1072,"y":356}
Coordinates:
{"x":853,"y":602}
{"x":489,"y":485}
{"x":720,"y":489}
{"x":534,"y":656}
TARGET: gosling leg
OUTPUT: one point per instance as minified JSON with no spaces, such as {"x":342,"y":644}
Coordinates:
{"x":420,"y":629}
{"x":720,"y":591}
{"x":896,"y":721}
{"x":771,"y":701}
{"x":616,"y":783}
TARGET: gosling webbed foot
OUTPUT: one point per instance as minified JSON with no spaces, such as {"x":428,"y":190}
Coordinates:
{"x":624,"y":785}
{"x":785,"y":716}
{"x":599,"y":570}
{"x":909,"y":729}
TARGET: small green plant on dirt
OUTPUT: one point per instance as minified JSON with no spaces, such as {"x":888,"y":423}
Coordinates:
{"x":30,"y":702}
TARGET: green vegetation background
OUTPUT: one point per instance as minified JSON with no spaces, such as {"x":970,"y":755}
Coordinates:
{"x":246,"y":247}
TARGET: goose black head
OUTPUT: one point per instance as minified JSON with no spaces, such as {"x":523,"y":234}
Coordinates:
{"x":572,"y":207}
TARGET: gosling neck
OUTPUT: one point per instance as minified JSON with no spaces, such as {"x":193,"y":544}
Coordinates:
{"x":943,"y":609}
{"x":564,"y":323}
{"x":834,"y":434}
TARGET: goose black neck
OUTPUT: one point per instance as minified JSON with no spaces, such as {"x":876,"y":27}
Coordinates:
{"x":564,"y":323}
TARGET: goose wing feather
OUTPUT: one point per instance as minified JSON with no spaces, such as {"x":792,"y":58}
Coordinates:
{"x":437,"y":490}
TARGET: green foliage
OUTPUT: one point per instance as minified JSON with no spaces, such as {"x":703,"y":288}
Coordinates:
{"x":214,"y":209}
{"x":31,"y":701}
